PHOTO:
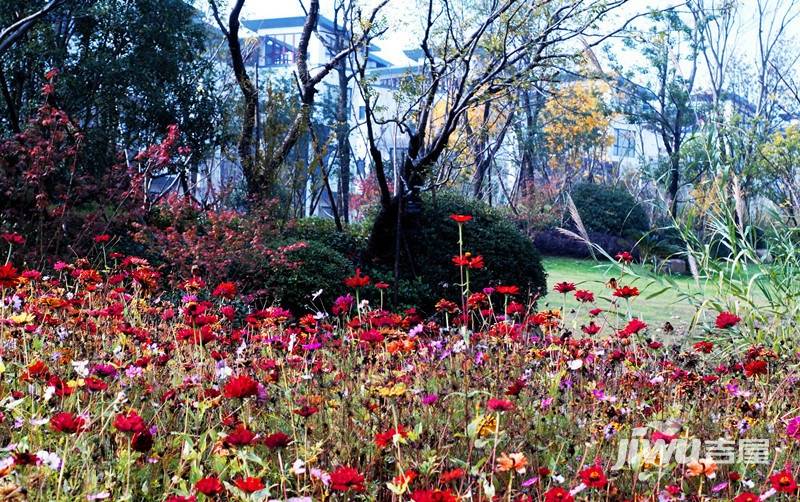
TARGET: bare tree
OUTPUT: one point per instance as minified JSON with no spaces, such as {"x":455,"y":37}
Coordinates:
{"x":261,"y":174}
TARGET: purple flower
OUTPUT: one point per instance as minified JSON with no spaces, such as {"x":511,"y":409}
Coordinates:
{"x":429,"y":399}
{"x":793,"y":428}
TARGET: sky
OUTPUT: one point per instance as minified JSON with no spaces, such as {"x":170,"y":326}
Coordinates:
{"x":403,"y":19}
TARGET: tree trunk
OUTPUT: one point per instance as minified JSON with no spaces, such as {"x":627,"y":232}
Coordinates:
{"x":343,"y":142}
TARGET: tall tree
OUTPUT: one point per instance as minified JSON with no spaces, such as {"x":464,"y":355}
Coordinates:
{"x":262,"y":175}
{"x":658,"y":94}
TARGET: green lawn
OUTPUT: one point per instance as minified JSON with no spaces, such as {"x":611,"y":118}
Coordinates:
{"x":592,"y":275}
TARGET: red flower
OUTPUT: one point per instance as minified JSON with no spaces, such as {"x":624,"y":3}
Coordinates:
{"x":460,"y":218}
{"x":277,"y":440}
{"x":8,"y":276}
{"x":564,"y":287}
{"x":382,"y":439}
{"x":102,"y":238}
{"x":727,"y":320}
{"x":499,"y":405}
{"x":584,"y":296}
{"x":747,"y":497}
{"x":345,"y":479}
{"x":240,"y":386}
{"x":626,"y":292}
{"x":181,"y":498}
{"x":433,"y":496}
{"x":381,"y":285}
{"x":704,"y":347}
{"x":451,"y":475}
{"x":783,"y":482}
{"x":507,"y":290}
{"x":624,"y":257}
{"x":593,"y":477}
{"x":306,"y":411}
{"x":757,"y":367}
{"x":142,"y":441}
{"x":67,"y":423}
{"x":557,"y":494}
{"x":241,"y":436}
{"x":515,"y":388}
{"x":248,"y":485}
{"x":131,"y":422}
{"x":476,"y":262}
{"x":225,"y":290}
{"x":210,"y":486}
{"x":634,"y":326}
{"x":591,"y":328}
{"x":357,"y":281}
{"x":13,"y":238}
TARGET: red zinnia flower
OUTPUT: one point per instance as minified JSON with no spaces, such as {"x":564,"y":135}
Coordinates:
{"x":460,"y":218}
{"x":248,"y":485}
{"x":591,"y":328}
{"x":584,"y":296}
{"x":357,"y":281}
{"x":381,"y":285}
{"x":747,"y":497}
{"x":382,"y":439}
{"x":593,"y":477}
{"x":240,"y":386}
{"x":727,"y":320}
{"x":626,"y":292}
{"x":13,"y":238}
{"x":8,"y":276}
{"x":130,"y":422}
{"x":210,"y":486}
{"x":564,"y":287}
{"x":557,"y":494}
{"x":346,"y":479}
{"x":306,"y":411}
{"x":624,"y":257}
{"x":451,"y":475}
{"x":783,"y":482}
{"x":277,"y":440}
{"x":67,"y":423}
{"x":507,"y":290}
{"x":102,"y":238}
{"x":225,"y":290}
{"x":142,"y":441}
{"x":757,"y":367}
{"x":704,"y":347}
{"x":433,"y":496}
{"x":499,"y":405}
{"x":241,"y":436}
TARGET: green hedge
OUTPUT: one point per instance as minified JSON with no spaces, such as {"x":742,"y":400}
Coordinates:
{"x":610,"y":210}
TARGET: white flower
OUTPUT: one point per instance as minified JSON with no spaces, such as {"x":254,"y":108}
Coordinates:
{"x":81,"y":368}
{"x":48,"y":393}
{"x":298,"y":467}
{"x":51,"y":460}
{"x":575,"y":364}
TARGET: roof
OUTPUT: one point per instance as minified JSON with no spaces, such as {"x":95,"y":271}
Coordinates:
{"x":297,"y":22}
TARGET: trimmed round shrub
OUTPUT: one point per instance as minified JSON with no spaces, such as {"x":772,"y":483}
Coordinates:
{"x":430,"y":241}
{"x":310,"y":267}
{"x":609,"y":210}
{"x":350,"y":242}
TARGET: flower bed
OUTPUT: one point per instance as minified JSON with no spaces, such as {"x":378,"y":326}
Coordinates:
{"x":114,"y":389}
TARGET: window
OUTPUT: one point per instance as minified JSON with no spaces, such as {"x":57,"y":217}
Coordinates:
{"x":624,"y":143}
{"x":279,"y":50}
{"x":362,"y":112}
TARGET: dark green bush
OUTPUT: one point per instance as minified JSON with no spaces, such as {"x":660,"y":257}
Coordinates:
{"x":610,"y":210}
{"x":431,"y":241}
{"x":320,"y":267}
{"x":350,"y":242}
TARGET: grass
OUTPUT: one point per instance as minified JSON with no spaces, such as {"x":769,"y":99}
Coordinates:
{"x":593,"y":275}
